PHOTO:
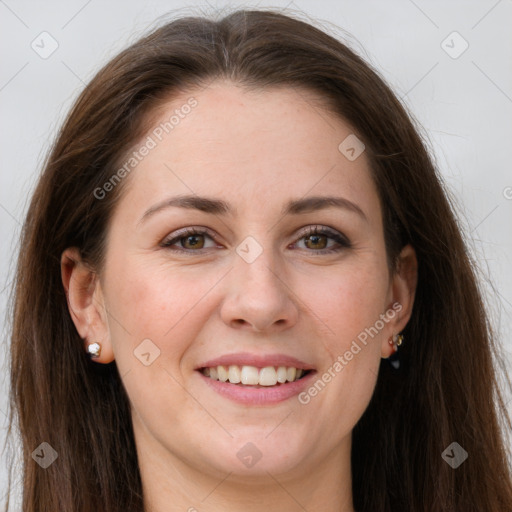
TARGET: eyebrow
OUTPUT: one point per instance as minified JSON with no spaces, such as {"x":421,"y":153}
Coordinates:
{"x":220,"y":207}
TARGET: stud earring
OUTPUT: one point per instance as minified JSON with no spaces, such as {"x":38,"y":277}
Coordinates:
{"x":395,"y":341}
{"x":94,"y":350}
{"x":394,"y":359}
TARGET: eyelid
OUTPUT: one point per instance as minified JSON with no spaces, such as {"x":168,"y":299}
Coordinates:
{"x":323,"y":230}
{"x":186,"y":231}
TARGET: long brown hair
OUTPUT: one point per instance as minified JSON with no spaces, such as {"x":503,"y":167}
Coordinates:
{"x":447,"y":388}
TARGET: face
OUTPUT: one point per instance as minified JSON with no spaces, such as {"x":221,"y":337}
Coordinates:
{"x":252,"y":284}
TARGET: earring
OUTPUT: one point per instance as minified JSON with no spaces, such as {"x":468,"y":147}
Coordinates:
{"x":394,"y":358}
{"x":94,"y":350}
{"x":395,"y":341}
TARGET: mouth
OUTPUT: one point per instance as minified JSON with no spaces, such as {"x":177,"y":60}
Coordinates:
{"x":253,"y":376}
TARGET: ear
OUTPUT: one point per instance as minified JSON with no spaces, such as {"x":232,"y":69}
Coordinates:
{"x":86,"y":303}
{"x":402,"y":292}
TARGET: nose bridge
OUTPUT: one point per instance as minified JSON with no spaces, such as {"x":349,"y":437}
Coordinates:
{"x":257,"y":293}
{"x":255,"y":268}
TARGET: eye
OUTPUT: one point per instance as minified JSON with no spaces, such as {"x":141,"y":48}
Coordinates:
{"x":190,"y":237}
{"x":315,"y":238}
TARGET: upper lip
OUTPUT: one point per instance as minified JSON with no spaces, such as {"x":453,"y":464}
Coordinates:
{"x":258,"y":360}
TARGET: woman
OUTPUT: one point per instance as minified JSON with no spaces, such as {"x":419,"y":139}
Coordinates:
{"x":241,"y":286}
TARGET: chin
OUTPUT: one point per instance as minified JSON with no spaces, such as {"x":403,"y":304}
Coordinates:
{"x":257,"y":455}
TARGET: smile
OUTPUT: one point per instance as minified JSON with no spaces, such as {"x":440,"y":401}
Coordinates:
{"x":254,"y":376}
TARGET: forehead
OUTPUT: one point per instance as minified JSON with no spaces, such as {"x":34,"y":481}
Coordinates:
{"x":256,"y":149}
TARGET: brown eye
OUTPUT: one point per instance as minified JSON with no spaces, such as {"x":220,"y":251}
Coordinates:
{"x":194,"y":242}
{"x":316,"y":241}
{"x":189,"y":240}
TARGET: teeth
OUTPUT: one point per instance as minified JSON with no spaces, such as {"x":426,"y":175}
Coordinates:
{"x":253,"y":376}
{"x":268,"y":376}
{"x":222,"y":373}
{"x":250,"y":375}
{"x":234,"y":374}
{"x":281,"y":374}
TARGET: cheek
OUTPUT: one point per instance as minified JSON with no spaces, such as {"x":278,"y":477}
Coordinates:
{"x":354,"y":303}
{"x":159,"y":311}
{"x":158,"y":303}
{"x":352,"y":313}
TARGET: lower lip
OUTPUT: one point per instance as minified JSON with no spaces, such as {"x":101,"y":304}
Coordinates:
{"x":259,"y":396}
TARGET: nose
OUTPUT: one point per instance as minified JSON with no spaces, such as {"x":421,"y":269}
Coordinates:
{"x":257,"y":297}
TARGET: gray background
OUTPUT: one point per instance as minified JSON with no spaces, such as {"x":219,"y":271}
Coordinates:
{"x":463,"y":101}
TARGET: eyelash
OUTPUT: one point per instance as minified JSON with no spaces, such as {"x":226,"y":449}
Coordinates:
{"x":343,"y":242}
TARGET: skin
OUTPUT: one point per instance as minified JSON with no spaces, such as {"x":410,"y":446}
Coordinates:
{"x":255,"y":150}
